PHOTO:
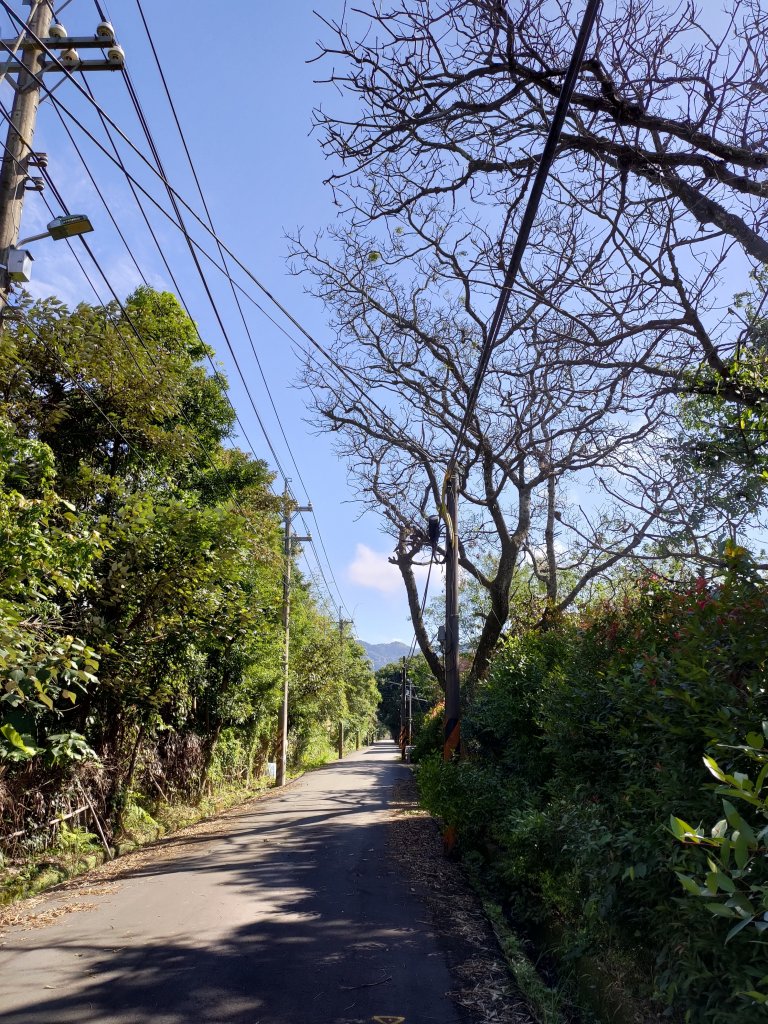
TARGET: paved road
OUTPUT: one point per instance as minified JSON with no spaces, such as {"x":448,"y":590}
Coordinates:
{"x":295,"y":914}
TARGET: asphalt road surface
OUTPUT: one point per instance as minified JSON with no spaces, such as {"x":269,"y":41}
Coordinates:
{"x":294,"y":913}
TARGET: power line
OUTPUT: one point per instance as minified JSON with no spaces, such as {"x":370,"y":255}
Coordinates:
{"x":412,"y":650}
{"x":201,"y":274}
{"x":526,"y":224}
{"x":193,"y":245}
{"x":155,"y":152}
{"x":222,"y":255}
{"x":209,"y":218}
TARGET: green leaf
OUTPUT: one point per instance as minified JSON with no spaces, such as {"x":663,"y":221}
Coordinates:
{"x":725,"y":882}
{"x":682,"y":830}
{"x":720,"y":829}
{"x":757,"y":996}
{"x":736,"y":821}
{"x":714,"y":767}
{"x":737,"y":928}
{"x":17,"y":741}
{"x":689,"y":884}
{"x":720,"y":910}
{"x":740,"y":849}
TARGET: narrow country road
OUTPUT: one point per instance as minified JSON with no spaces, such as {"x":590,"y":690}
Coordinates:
{"x":294,"y":912}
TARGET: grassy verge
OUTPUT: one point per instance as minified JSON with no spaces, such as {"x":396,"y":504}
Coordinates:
{"x":549,"y":1001}
{"x":574,"y":986}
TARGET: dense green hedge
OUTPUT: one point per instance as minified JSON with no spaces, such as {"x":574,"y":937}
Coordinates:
{"x":141,"y":569}
{"x":582,"y":744}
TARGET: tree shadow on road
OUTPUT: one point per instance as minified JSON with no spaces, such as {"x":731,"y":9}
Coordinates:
{"x":335,"y":932}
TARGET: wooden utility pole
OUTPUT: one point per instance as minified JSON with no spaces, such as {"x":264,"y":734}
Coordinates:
{"x":452,"y":730}
{"x":288,"y":539}
{"x":14,"y":170}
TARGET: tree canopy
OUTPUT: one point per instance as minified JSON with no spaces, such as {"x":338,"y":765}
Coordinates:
{"x":141,"y":566}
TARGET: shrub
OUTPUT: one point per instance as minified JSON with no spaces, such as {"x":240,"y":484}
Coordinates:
{"x":581,"y":744}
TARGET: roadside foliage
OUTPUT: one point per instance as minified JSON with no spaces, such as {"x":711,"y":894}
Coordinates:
{"x":613,"y":785}
{"x":141,"y":585}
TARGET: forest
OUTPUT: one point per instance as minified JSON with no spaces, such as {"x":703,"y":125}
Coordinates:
{"x":141,"y":580}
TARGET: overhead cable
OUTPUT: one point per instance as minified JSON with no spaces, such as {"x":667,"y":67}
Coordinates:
{"x":526,"y":224}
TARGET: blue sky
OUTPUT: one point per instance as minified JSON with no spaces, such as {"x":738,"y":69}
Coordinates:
{"x":244,"y":94}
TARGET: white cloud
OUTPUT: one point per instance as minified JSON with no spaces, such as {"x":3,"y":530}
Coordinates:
{"x":373,"y":569}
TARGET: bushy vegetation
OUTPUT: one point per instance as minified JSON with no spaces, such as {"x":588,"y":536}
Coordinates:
{"x":585,"y":791}
{"x":141,"y":581}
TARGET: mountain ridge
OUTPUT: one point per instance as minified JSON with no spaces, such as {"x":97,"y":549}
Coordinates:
{"x":380,"y":655}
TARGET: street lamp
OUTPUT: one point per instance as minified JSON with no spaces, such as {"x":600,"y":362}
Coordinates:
{"x":19,"y":260}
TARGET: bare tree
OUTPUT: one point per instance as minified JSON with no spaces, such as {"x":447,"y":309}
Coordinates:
{"x":658,"y":195}
{"x":656,"y":202}
{"x":395,"y":399}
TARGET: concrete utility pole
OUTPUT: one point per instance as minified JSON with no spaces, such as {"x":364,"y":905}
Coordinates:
{"x":342,"y":624}
{"x":452,"y":732}
{"x":403,"y":708}
{"x":14,"y":170}
{"x":288,"y":538}
{"x":39,"y":42}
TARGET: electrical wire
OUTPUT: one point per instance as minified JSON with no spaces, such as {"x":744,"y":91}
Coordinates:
{"x":412,"y":650}
{"x":526,"y":224}
{"x":209,"y":219}
{"x":177,"y":211}
{"x":192,"y":244}
{"x":223,"y":257}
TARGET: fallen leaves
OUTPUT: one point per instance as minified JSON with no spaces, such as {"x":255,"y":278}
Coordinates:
{"x":484,"y":987}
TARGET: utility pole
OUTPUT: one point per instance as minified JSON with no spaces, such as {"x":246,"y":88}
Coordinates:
{"x":29,"y":69}
{"x":342,"y":624}
{"x":452,"y":727}
{"x":288,"y":538}
{"x":18,"y":146}
{"x":403,"y":708}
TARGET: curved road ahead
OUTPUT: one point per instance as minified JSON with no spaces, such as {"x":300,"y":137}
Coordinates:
{"x":294,"y":912}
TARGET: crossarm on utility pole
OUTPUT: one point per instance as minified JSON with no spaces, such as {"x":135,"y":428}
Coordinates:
{"x":18,"y":146}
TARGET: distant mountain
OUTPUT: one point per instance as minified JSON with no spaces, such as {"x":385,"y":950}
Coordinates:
{"x":380,"y":655}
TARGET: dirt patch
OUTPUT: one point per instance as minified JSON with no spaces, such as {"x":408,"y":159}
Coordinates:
{"x":483,"y":986}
